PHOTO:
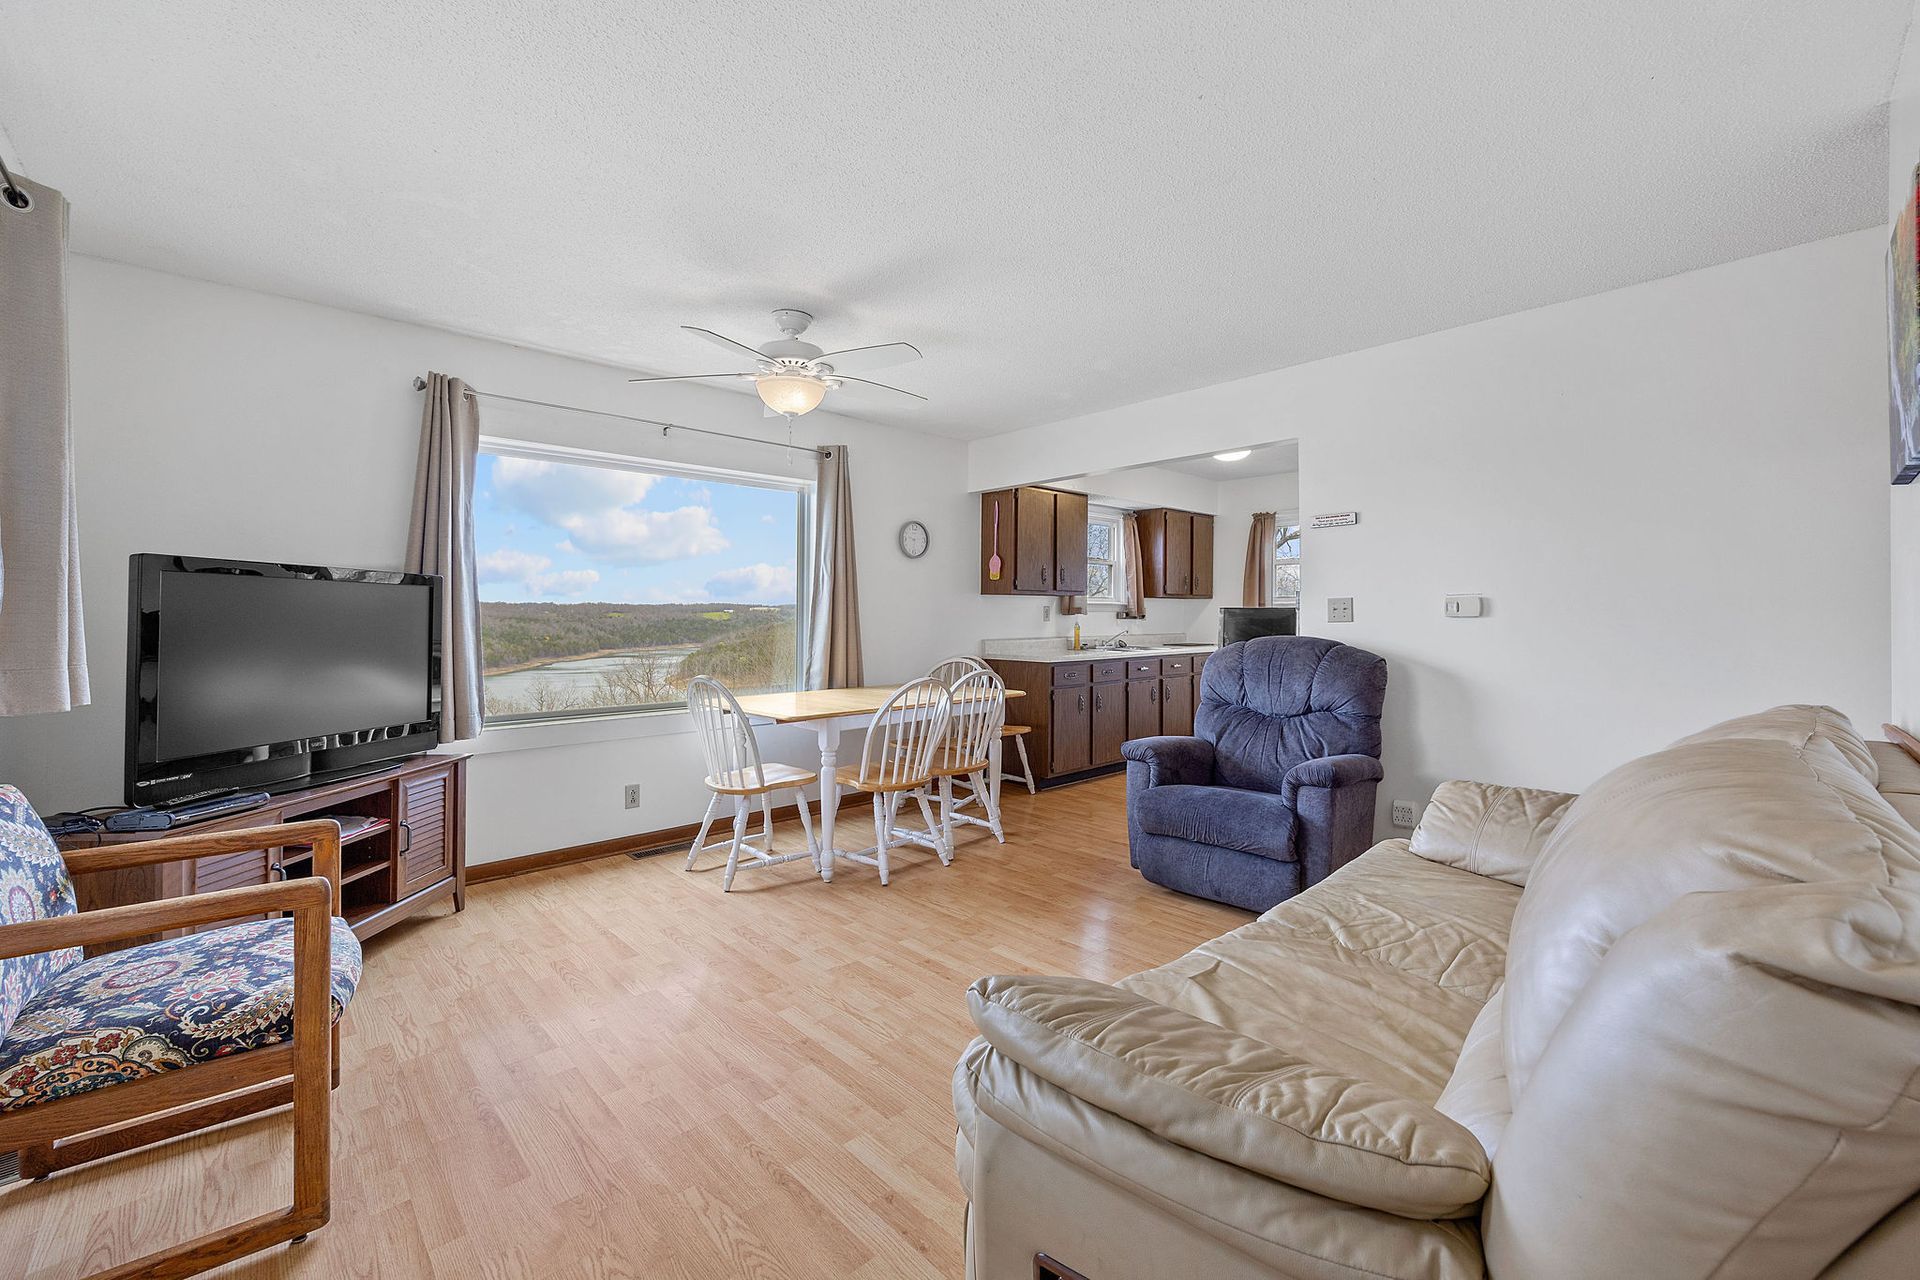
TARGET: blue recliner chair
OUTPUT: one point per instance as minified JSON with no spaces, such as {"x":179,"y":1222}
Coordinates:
{"x":1276,"y":790}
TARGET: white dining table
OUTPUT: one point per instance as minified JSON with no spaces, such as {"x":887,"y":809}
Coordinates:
{"x":827,"y":712}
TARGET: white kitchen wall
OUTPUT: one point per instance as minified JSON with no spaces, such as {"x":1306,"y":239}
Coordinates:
{"x":217,"y":421}
{"x":1235,"y":502}
{"x":1671,"y":496}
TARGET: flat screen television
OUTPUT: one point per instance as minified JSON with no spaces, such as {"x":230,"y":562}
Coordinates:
{"x":249,"y":676}
{"x":1238,"y":623}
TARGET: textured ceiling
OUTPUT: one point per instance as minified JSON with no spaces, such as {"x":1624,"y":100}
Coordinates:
{"x":1067,"y":206}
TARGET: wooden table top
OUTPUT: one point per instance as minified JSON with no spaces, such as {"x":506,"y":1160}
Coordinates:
{"x":824,"y":704}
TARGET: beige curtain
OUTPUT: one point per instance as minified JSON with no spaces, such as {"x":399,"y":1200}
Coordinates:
{"x":1256,"y":583}
{"x":1136,"y":606}
{"x":440,"y":540}
{"x":833,"y":625}
{"x":43,"y":650}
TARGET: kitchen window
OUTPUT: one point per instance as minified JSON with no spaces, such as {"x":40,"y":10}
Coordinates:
{"x":1286,"y":558}
{"x":607,"y":583}
{"x":1106,"y":572}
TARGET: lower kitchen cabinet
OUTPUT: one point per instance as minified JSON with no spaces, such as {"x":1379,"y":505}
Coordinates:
{"x":1082,"y":712}
{"x":1069,"y":740}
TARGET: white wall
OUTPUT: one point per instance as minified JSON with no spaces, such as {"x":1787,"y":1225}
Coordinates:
{"x":1670,"y":494}
{"x":216,"y":421}
{"x":1903,"y":153}
{"x":1235,"y":501}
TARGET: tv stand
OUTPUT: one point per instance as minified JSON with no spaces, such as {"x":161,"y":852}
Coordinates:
{"x":410,"y":854}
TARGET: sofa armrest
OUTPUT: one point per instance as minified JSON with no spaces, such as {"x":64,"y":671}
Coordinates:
{"x":1172,"y":761}
{"x":1329,"y":771}
{"x":1234,"y":1098}
{"x":1486,"y":829}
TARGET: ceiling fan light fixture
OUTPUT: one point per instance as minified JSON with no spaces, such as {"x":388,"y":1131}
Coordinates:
{"x":791,"y":394}
{"x":1233,"y":455}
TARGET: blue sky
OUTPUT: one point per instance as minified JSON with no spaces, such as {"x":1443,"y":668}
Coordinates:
{"x":547,"y":530}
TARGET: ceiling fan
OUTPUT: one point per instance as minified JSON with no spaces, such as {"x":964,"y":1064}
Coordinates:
{"x":793,"y":375}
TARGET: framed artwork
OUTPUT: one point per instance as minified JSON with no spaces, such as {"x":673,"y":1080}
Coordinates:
{"x":1903,"y":340}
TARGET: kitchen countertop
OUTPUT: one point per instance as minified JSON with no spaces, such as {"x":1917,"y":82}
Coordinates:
{"x":1103,"y":655}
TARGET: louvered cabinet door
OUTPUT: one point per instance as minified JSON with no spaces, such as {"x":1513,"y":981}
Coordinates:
{"x":426,"y":846}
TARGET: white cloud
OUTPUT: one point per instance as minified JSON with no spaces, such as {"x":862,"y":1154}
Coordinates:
{"x":754,"y":584}
{"x":594,"y":506}
{"x":567,"y":582}
{"x":555,"y":491}
{"x":510,"y":566}
{"x":530,"y":571}
{"x":644,"y":537}
{"x":767,"y":519}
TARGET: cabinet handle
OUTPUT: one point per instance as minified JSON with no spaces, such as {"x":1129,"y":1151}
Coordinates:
{"x":1043,"y":575}
{"x":1153,"y":694}
{"x":1083,"y":702}
{"x":1096,"y":702}
{"x":406,"y":837}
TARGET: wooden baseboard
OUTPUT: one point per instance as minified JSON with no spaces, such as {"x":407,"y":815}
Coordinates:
{"x":665,"y":840}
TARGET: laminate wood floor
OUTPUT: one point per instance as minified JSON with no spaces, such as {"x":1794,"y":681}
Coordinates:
{"x":612,"y":1069}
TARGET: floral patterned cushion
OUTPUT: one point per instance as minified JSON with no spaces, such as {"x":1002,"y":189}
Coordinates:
{"x":33,"y":886}
{"x":148,"y":1009}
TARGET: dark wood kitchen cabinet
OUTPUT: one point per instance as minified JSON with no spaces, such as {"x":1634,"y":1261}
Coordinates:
{"x":1177,"y":553}
{"x":1069,"y":736}
{"x":1081,"y":713}
{"x":1040,"y":536}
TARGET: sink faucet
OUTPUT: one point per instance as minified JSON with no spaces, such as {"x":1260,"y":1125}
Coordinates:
{"x":1115,"y":641}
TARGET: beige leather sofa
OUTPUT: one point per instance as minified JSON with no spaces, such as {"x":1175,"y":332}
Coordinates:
{"x":1668,"y":1029}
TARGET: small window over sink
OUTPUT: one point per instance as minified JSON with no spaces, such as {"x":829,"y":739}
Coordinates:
{"x":1106,"y":575}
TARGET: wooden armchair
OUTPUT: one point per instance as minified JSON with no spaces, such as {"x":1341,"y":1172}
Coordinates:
{"x":90,"y":1066}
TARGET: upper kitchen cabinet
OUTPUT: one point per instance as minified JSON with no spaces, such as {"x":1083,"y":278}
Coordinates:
{"x":1177,"y":547}
{"x":1033,"y":541}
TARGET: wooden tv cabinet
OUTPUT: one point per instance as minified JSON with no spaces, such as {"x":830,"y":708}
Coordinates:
{"x":414,"y":854}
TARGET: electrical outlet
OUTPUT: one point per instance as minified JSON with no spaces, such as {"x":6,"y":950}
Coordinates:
{"x":1339,"y":608}
{"x":1403,"y":816}
{"x":633,"y":796}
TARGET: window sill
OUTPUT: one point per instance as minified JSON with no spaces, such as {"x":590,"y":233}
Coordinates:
{"x":573,"y":731}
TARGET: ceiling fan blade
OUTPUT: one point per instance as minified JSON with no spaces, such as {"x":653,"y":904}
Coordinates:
{"x":691,"y":377}
{"x":723,"y":340}
{"x":867,"y":382}
{"x":863,"y":359}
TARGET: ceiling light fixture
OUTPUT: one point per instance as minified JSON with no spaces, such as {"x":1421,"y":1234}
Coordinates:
{"x":1232,"y":455}
{"x":791,"y":394}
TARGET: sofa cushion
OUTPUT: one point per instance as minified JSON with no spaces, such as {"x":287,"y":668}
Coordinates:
{"x":1250,"y":821}
{"x":168,"y":1004}
{"x":1733,"y":1095}
{"x":1486,"y":829}
{"x":1476,"y":1094}
{"x":1707,"y":816}
{"x":33,"y":886}
{"x":1796,"y":723}
{"x":1254,"y":1105}
{"x":1376,"y":972}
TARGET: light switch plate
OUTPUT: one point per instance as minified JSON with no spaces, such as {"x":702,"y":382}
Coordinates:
{"x":1403,"y":816}
{"x":1339,"y":608}
{"x":1465,"y":606}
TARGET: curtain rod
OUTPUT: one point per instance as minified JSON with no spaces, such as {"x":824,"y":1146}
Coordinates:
{"x":420,"y":384}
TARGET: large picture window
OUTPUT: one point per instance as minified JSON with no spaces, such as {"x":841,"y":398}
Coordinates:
{"x":607,"y":583}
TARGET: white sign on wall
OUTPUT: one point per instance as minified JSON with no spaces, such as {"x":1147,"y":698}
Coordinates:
{"x":1334,"y":519}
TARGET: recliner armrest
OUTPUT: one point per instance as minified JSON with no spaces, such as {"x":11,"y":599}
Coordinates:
{"x":1172,"y":761}
{"x":1330,"y":771}
{"x":1234,"y":1098}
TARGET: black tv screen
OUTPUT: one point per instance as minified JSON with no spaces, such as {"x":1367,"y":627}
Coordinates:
{"x":246,"y":675}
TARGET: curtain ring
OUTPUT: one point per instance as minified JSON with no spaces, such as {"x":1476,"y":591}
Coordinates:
{"x":15,"y":196}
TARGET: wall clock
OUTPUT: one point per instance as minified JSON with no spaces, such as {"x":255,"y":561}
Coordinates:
{"x":913,"y":539}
